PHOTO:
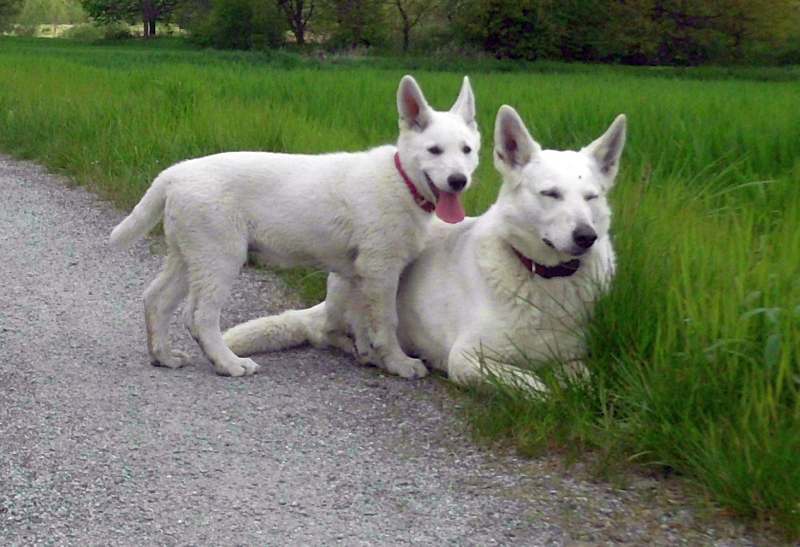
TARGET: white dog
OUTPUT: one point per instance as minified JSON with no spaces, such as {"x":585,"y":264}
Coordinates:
{"x":362,"y":215}
{"x":520,"y":279}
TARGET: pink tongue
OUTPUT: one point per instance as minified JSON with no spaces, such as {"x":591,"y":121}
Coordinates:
{"x":449,"y":208}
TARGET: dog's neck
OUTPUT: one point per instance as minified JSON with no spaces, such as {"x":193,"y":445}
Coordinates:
{"x":563,"y":269}
{"x":415,"y":175}
{"x":419,"y":199}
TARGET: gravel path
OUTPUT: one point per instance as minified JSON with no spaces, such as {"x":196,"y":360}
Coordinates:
{"x":98,"y":447}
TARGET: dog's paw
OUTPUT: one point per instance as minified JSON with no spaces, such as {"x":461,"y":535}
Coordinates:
{"x":175,"y":359}
{"x":365,"y":354}
{"x":240,"y":367}
{"x":341,"y":342}
{"x":406,"y":367}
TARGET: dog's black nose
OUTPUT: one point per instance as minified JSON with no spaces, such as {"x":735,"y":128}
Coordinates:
{"x":584,"y":236}
{"x":457,"y":181}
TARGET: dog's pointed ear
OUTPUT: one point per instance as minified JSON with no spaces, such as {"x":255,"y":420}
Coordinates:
{"x":465,"y":102}
{"x":513,"y":145}
{"x":411,"y":105}
{"x":607,"y":150}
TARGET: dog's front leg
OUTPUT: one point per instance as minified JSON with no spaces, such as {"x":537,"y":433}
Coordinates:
{"x":376,"y":328}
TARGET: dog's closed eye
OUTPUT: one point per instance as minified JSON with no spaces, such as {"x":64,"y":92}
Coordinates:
{"x":552,"y":193}
{"x":590,"y":197}
{"x":435,"y":150}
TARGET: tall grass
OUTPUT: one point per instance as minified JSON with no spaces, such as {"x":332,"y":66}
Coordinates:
{"x":694,"y":354}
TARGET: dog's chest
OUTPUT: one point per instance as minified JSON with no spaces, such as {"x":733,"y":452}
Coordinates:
{"x":531,"y":314}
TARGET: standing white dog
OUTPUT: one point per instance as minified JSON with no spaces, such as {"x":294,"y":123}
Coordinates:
{"x":520,"y":279}
{"x":362,"y":215}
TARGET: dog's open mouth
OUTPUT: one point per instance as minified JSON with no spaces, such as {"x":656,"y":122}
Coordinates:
{"x":448,"y":204}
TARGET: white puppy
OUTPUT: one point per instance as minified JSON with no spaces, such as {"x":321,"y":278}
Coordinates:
{"x":520,"y":279}
{"x":362,"y":215}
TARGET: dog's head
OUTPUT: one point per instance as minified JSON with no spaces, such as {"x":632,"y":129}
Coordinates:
{"x":439,"y":150}
{"x":554,"y":202}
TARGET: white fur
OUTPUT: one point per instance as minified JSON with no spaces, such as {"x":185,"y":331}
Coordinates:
{"x":468,"y":291}
{"x":349,"y":213}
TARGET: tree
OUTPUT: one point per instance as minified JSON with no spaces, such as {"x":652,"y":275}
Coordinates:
{"x":682,"y":32}
{"x":298,"y":13}
{"x":51,"y":12}
{"x":352,"y":23}
{"x":147,"y":11}
{"x":513,"y":29}
{"x":411,"y":13}
{"x":233,"y":24}
{"x":8,"y":11}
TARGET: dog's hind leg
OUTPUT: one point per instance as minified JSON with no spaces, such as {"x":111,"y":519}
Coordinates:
{"x":277,"y":332}
{"x":466,"y":367}
{"x":339,"y":301}
{"x":161,"y":299}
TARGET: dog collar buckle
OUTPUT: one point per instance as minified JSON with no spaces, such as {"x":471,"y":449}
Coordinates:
{"x":562,"y":269}
{"x":419,"y":199}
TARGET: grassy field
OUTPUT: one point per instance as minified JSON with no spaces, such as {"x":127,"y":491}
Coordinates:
{"x":695,"y":354}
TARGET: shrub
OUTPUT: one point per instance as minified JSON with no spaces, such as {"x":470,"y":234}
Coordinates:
{"x":116,"y":31}
{"x":84,"y":33}
{"x":237,"y":24}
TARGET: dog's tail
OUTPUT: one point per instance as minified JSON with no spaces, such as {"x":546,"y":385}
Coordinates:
{"x":276,"y":332}
{"x":144,"y":216}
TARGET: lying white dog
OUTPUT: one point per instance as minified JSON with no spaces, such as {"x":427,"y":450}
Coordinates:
{"x":363,"y":215}
{"x":520,"y":279}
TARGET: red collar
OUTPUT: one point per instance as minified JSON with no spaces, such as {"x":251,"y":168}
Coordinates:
{"x":419,"y":199}
{"x":563,"y":269}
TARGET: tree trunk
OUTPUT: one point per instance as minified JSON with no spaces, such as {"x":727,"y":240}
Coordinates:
{"x":152,"y":24}
{"x":299,"y":24}
{"x":406,"y":17}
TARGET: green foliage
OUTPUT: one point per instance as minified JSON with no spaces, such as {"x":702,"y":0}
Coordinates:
{"x":238,"y":24}
{"x":694,"y":354}
{"x":639,"y":32}
{"x":635,"y":31}
{"x":269,"y":28}
{"x":353,"y":23}
{"x":116,"y":31}
{"x":505,"y":28}
{"x":233,"y":24}
{"x":111,"y":11}
{"x":50,"y":12}
{"x":8,"y":11}
{"x":84,"y":33}
{"x":131,"y":11}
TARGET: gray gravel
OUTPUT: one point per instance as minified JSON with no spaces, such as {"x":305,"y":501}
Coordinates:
{"x":98,"y":447}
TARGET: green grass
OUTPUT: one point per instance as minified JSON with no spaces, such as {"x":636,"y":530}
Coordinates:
{"x":694,"y":354}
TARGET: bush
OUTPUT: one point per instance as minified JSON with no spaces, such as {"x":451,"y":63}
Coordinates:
{"x":232,"y":24}
{"x":84,"y":33}
{"x":238,"y":24}
{"x":505,"y":28}
{"x":269,"y":26}
{"x":116,"y":31}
